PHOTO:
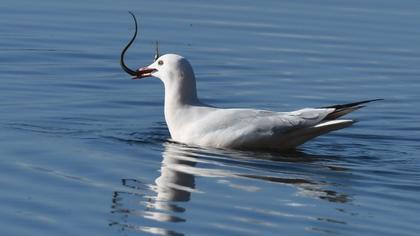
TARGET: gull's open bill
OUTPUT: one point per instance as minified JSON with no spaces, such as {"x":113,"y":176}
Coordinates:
{"x":192,"y":122}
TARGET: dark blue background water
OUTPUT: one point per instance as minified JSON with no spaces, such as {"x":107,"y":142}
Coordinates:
{"x":84,"y":149}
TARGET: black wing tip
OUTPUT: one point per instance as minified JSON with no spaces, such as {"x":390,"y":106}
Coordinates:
{"x":340,"y":106}
{"x":373,"y":100}
{"x":344,"y":109}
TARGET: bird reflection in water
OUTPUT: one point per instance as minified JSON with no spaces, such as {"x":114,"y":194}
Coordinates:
{"x":154,"y":208}
{"x":162,"y":201}
{"x":174,"y":185}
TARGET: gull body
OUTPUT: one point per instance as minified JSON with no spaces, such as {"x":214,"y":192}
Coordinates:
{"x":192,"y":122}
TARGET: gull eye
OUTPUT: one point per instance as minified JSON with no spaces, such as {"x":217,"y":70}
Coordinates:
{"x":160,"y":62}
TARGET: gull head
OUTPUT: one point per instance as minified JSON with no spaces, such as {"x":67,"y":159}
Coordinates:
{"x":169,"y":68}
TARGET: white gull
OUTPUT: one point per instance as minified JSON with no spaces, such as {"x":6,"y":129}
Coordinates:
{"x":191,"y":121}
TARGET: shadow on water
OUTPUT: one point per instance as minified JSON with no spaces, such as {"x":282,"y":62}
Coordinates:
{"x":158,"y":133}
{"x":152,"y":208}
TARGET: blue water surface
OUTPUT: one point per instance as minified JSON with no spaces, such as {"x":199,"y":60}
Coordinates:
{"x":84,"y":150}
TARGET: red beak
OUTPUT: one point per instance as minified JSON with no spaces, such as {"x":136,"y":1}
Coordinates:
{"x":144,"y":72}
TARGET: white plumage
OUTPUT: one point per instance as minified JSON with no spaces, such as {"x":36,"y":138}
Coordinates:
{"x":192,"y":122}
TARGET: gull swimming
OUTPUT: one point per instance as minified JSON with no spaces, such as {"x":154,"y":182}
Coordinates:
{"x":193,"y":122}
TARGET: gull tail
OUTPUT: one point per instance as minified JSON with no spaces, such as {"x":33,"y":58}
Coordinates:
{"x":301,"y":136}
{"x":328,"y":124}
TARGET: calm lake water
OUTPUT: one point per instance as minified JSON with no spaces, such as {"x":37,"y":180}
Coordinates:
{"x":85,"y":150}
